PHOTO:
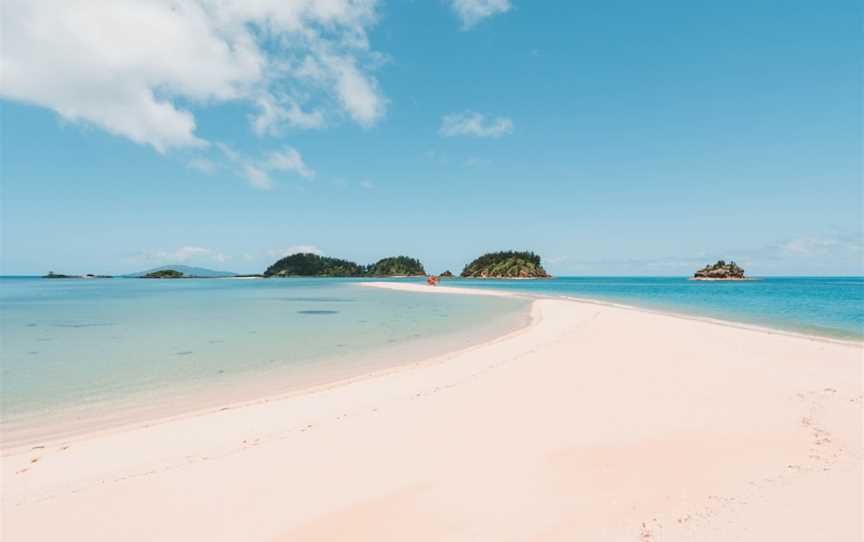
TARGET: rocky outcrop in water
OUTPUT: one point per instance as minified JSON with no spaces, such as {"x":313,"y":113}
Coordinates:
{"x":720,"y":271}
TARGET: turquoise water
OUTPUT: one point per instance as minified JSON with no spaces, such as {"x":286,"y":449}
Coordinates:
{"x":826,"y":306}
{"x":72,"y":347}
{"x":74,"y":350}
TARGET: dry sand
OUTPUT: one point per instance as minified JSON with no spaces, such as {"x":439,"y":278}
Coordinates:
{"x":594,"y":423}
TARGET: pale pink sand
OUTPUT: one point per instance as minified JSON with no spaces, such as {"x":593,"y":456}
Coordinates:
{"x":595,"y":423}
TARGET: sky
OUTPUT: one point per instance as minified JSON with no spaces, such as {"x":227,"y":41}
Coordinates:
{"x":612,"y":138}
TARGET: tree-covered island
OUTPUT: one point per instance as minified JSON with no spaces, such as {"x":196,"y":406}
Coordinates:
{"x":313,"y":265}
{"x":164,"y":274}
{"x":506,"y":265}
{"x":397,"y":266}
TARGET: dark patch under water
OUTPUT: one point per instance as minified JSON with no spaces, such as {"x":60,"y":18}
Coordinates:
{"x":319,"y":299}
{"x":317,"y":312}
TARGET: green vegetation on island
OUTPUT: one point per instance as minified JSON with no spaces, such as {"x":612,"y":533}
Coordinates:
{"x":396,"y":266}
{"x":720,"y":271}
{"x":312,"y":265}
{"x":509,"y":264}
{"x":164,"y":274}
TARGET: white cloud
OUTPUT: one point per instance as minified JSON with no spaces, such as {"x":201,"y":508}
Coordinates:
{"x":136,"y":68}
{"x":258,"y":173}
{"x":288,"y":159}
{"x":367,"y":185}
{"x":294,"y":249}
{"x":474,"y":124}
{"x":257,"y":170}
{"x":473,"y":11}
{"x":358,"y":94}
{"x":272,"y":116}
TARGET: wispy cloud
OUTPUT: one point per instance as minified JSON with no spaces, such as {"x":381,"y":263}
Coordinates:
{"x":819,"y":245}
{"x":288,"y":159}
{"x":258,"y":171}
{"x":472,"y":12}
{"x":204,"y":165}
{"x":180,"y":255}
{"x":257,"y":177}
{"x":474,"y":124}
{"x":273,"y":116}
{"x":294,"y":249}
{"x":367,"y":185}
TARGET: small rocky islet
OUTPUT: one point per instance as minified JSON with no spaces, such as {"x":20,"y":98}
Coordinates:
{"x":720,"y":271}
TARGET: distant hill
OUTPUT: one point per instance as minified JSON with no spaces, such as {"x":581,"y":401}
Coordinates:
{"x":509,"y":265}
{"x":187,"y":271}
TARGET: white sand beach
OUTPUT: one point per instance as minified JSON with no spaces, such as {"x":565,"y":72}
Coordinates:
{"x":593,"y":423}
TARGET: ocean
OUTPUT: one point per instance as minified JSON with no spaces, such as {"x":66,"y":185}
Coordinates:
{"x":831,"y":307}
{"x":87,"y":354}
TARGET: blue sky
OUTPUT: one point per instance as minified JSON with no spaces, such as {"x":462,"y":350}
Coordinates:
{"x":609,"y":137}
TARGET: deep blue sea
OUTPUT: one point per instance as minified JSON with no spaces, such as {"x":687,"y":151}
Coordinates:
{"x":71,"y":348}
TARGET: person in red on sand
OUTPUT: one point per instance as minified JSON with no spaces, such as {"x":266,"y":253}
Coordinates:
{"x":432,"y":280}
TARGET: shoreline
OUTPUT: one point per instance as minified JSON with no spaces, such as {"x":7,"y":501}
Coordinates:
{"x":43,"y":429}
{"x":420,"y":288}
{"x":557,"y":431}
{"x":129,"y":415}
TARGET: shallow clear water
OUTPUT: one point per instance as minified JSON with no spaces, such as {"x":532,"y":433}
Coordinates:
{"x":67,"y":344}
{"x":827,"y":306}
{"x":71,"y":350}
